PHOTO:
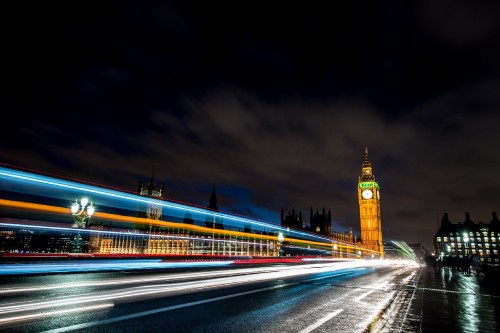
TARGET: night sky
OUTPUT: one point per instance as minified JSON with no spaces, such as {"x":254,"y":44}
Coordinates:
{"x":273,"y":103}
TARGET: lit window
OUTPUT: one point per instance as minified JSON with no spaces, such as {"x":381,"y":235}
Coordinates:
{"x":438,"y":239}
{"x":459,"y":245}
{"x":445,"y":239}
{"x":486,"y":239}
{"x":452,"y":244}
{"x":458,"y":239}
{"x":473,"y":251}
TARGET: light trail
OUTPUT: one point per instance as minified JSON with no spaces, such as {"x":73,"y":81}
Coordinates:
{"x":53,"y":313}
{"x":157,"y":290}
{"x":38,"y":179}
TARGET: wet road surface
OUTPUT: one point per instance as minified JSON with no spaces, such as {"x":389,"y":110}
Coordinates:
{"x":334,"y":297}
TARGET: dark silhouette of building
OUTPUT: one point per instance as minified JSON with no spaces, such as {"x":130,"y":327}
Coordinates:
{"x":321,"y":223}
{"x":292,"y":219}
{"x":213,"y":221}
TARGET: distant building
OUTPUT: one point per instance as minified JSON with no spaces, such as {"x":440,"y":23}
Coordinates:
{"x":468,"y":240}
{"x":321,"y":223}
{"x":419,"y":250}
{"x":292,"y":219}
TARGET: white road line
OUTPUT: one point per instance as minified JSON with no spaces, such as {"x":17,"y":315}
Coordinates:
{"x":359,"y":298}
{"x":320,"y":322}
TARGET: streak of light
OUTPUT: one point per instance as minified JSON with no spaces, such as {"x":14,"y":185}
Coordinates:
{"x":156,"y":278}
{"x":157,"y":290}
{"x":33,"y":178}
{"x":164,"y":309}
{"x":55,"y":312}
{"x":12,"y":269}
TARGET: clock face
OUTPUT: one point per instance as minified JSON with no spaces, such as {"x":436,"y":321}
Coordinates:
{"x":378,"y":194}
{"x":367,"y":194}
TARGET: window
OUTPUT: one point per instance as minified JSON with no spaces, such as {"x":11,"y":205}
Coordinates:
{"x":438,"y":239}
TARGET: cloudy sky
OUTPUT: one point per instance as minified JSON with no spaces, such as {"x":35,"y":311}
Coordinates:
{"x":272,"y":103}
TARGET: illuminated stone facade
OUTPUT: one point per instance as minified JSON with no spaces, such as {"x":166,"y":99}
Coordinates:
{"x":468,"y":240}
{"x":369,"y":209}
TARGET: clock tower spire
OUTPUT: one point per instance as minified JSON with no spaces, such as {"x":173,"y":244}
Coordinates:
{"x":369,"y":209}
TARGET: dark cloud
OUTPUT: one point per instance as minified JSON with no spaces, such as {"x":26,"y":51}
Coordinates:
{"x":275,"y":105}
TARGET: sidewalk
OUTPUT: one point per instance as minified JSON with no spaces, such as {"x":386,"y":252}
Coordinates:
{"x":450,"y":301}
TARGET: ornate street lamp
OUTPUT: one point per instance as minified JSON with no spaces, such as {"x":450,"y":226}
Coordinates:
{"x":82,"y":211}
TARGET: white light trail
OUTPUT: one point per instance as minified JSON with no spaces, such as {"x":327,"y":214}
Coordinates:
{"x":52,"y":313}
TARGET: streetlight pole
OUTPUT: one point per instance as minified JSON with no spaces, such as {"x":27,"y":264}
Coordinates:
{"x":82,"y":211}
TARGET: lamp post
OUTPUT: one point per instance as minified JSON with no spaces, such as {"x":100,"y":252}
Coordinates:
{"x":82,"y":211}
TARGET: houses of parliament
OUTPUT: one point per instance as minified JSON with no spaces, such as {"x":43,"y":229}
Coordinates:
{"x":368,"y":191}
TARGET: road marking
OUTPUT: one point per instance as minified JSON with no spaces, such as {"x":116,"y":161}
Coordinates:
{"x":359,"y":298}
{"x":320,"y":322}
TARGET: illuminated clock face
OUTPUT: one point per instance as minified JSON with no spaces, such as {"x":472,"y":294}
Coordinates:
{"x":378,"y":194}
{"x":367,"y":194}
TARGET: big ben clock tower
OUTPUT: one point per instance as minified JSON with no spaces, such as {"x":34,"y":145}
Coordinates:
{"x":369,"y":208}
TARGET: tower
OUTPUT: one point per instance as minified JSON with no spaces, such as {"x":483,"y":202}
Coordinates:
{"x":213,"y":221}
{"x":369,"y":208}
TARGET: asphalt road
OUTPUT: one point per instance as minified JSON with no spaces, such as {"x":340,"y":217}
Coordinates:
{"x":317,"y":297}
